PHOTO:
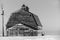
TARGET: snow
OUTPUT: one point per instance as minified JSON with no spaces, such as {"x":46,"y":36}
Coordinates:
{"x":46,"y":37}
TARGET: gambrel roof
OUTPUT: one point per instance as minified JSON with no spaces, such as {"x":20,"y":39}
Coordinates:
{"x":24,"y":17}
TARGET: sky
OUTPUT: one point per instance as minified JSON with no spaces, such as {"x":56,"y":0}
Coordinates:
{"x":48,"y":12}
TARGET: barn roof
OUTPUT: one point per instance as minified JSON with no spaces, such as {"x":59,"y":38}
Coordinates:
{"x":23,"y":17}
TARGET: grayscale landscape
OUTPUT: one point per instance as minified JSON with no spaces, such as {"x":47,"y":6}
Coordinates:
{"x":48,"y":12}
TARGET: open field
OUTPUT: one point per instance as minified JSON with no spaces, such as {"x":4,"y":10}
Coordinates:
{"x":46,"y":37}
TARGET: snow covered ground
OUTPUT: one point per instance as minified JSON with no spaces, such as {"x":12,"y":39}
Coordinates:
{"x":46,"y":37}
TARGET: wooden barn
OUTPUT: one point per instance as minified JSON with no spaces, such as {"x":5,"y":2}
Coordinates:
{"x":23,"y":23}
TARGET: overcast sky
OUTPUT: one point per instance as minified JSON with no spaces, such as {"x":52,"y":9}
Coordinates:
{"x":48,"y":12}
